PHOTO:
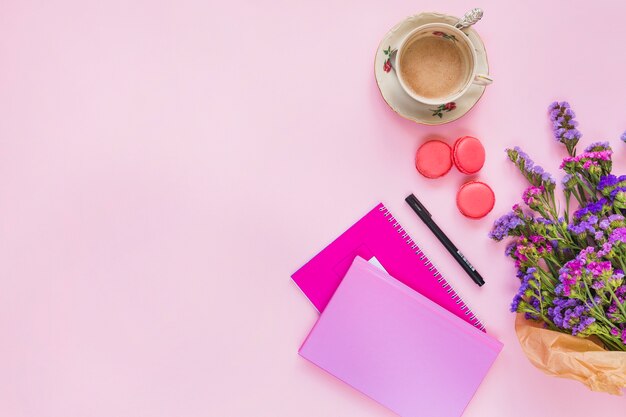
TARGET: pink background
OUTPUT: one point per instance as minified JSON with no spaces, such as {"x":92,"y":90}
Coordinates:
{"x":166,"y":165}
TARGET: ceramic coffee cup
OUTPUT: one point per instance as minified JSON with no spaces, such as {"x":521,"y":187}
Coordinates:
{"x":466,"y":71}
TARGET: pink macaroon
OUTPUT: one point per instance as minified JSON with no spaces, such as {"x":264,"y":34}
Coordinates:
{"x":475,"y":199}
{"x":468,"y":155}
{"x":433,"y":159}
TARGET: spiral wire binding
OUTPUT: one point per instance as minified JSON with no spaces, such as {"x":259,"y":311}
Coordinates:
{"x":436,"y":274}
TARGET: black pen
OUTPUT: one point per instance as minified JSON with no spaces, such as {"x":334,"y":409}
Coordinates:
{"x":426,"y":217}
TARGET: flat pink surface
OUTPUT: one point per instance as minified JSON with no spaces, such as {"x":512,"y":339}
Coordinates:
{"x":166,"y":166}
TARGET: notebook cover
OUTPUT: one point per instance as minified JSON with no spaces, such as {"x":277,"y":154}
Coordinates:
{"x":379,"y":234}
{"x":398,"y":347}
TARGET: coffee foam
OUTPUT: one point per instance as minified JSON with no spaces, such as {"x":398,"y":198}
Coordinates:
{"x":434,"y":67}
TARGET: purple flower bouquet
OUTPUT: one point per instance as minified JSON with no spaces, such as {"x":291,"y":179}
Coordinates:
{"x":570,"y":263}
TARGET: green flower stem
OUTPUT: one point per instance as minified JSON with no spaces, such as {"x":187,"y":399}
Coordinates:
{"x":571,"y":148}
{"x":551,"y":266}
{"x":543,"y":318}
{"x":548,"y":278}
{"x":537,"y":294}
{"x":581,"y":193}
{"x":568,"y":197}
{"x":611,"y":343}
{"x":592,"y":193}
{"x":619,"y":305}
{"x":575,"y":192}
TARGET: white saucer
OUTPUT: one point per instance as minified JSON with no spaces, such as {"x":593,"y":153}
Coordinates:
{"x":400,"y":101}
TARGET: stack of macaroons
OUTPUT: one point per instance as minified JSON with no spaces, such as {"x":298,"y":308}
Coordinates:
{"x":435,"y":158}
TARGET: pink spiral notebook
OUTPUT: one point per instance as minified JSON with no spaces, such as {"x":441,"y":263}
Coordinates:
{"x":398,"y":347}
{"x":379,"y":235}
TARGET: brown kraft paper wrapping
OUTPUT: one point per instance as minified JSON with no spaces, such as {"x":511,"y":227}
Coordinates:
{"x":572,"y":357}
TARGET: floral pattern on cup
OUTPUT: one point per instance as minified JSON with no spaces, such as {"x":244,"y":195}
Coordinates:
{"x":447,"y":108}
{"x":444,"y":35}
{"x":387,"y":64}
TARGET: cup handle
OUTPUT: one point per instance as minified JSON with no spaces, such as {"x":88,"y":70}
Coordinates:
{"x":482,"y":79}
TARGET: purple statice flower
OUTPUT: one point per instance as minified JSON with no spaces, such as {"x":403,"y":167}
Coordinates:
{"x":530,"y":195}
{"x":611,"y":310}
{"x":606,"y":248}
{"x":589,"y":163}
{"x":623,"y":137}
{"x":616,"y":218}
{"x":598,"y":146}
{"x":604,"y":155}
{"x":510,"y":249}
{"x":505,"y":225}
{"x":607,"y":181}
{"x":616,"y":280}
{"x":567,"y":160}
{"x":520,"y":254}
{"x":592,"y":157}
{"x":581,"y":228}
{"x":535,"y":174}
{"x":545,"y":175}
{"x":617,"y":193}
{"x":597,"y":284}
{"x":624,"y":336}
{"x":566,"y":181}
{"x":617,"y":235}
{"x":598,"y":206}
{"x":581,"y":212}
{"x":583,"y":323}
{"x":559,"y":289}
{"x":604,"y":224}
{"x":564,"y":124}
{"x":529,"y":164}
{"x":548,"y":178}
{"x":525,"y":277}
{"x":598,"y":268}
{"x":598,"y":235}
{"x":591,"y":208}
{"x":583,"y":254}
{"x":534,"y":301}
{"x":556,"y":312}
{"x":569,"y":276}
{"x":515,"y":303}
{"x":570,"y":314}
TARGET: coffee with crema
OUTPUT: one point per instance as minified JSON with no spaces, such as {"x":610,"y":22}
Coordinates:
{"x":434,"y":66}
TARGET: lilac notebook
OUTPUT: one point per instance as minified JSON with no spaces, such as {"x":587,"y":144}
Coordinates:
{"x":398,"y":347}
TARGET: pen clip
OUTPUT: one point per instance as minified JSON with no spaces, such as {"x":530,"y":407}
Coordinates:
{"x":413,"y":201}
